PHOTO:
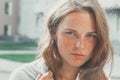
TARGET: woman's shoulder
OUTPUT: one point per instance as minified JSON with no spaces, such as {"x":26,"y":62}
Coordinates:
{"x":28,"y":71}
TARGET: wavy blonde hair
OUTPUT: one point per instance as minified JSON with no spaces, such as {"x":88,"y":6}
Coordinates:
{"x":93,"y":68}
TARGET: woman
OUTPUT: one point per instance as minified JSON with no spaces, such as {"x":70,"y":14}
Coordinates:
{"x":77,"y":47}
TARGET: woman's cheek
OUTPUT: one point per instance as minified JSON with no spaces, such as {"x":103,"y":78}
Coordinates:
{"x":90,"y":48}
{"x":66,"y":43}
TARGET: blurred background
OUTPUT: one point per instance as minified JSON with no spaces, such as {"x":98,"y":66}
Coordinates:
{"x":21,"y":25}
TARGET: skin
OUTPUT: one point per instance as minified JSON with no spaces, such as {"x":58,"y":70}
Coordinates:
{"x":76,"y":39}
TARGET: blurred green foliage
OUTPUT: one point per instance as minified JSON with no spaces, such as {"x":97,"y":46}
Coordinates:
{"x":19,"y":57}
{"x":26,"y":57}
{"x":18,"y":46}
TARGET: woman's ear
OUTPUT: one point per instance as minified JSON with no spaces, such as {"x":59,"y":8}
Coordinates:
{"x":55,"y":37}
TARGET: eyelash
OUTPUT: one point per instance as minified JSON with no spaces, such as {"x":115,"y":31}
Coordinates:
{"x":70,"y":33}
{"x":92,"y":36}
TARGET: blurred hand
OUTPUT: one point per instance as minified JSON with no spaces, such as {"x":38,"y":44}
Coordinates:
{"x":46,"y":76}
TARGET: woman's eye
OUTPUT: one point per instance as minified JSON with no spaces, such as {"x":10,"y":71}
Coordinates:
{"x":92,"y":36}
{"x":70,"y":33}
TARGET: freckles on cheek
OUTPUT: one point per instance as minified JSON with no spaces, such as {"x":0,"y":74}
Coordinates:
{"x":90,"y":47}
{"x":66,"y":43}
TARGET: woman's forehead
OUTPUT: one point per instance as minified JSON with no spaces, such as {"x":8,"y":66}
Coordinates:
{"x":78,"y":21}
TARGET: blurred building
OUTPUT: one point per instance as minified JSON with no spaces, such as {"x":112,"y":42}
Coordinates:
{"x":9,"y":18}
{"x":113,"y":15}
{"x":31,"y":16}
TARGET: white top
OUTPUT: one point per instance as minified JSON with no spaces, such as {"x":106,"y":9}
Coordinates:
{"x":30,"y":71}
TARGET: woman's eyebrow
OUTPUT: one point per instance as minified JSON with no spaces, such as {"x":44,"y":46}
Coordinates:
{"x":71,"y":30}
{"x":94,"y":32}
{"x":77,"y":32}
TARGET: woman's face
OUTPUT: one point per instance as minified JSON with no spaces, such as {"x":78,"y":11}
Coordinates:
{"x":76,"y":38}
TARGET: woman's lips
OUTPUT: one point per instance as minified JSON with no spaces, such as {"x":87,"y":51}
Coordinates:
{"x":77,"y":55}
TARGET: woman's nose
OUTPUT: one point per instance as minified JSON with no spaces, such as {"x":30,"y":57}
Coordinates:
{"x":80,"y":43}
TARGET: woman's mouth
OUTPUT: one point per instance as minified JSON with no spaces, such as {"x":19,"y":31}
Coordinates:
{"x":77,"y":55}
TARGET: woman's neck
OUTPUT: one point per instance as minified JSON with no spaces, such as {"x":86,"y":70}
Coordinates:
{"x":69,"y":72}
